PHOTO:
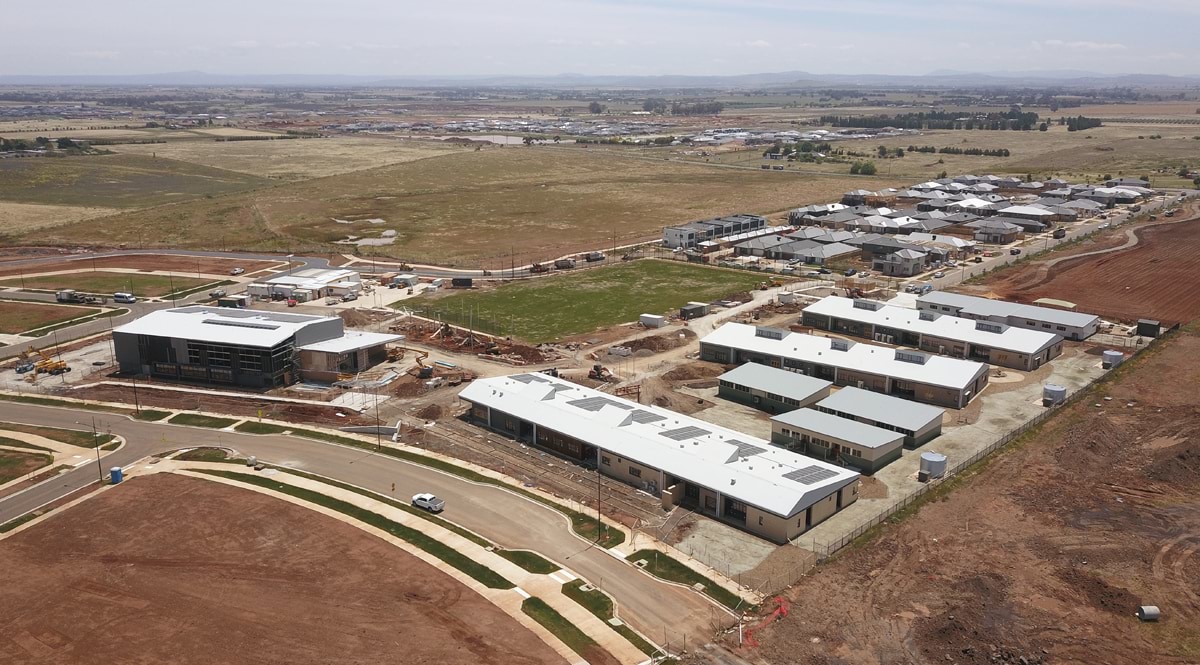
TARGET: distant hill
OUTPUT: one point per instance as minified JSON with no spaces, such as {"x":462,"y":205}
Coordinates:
{"x":942,"y":78}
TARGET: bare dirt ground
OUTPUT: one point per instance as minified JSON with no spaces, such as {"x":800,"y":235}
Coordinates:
{"x":200,"y":572}
{"x":1147,"y":280}
{"x":247,"y":406}
{"x":146,"y":263}
{"x":22,"y":217}
{"x":1041,"y":557}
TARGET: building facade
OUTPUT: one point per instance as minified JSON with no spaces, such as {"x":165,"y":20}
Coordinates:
{"x":770,"y":389}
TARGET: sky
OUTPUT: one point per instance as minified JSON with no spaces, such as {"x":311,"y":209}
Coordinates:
{"x":622,"y":37}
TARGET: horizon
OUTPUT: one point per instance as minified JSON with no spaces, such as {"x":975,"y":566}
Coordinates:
{"x":609,"y":38}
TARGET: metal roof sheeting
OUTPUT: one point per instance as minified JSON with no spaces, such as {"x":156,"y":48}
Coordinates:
{"x":739,"y":466}
{"x":882,"y":408}
{"x":844,"y":429}
{"x":977,"y":306}
{"x":778,"y":381}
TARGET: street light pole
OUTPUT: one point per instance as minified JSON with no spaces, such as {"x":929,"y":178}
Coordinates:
{"x":96,"y":446}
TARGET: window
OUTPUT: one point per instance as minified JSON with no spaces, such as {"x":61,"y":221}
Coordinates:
{"x":605,"y":461}
{"x":635,"y":472}
{"x":760,"y":520}
{"x":1045,"y":325}
{"x":1062,"y":327}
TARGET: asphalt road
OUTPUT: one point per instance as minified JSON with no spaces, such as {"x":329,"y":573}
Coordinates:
{"x":661,"y":611}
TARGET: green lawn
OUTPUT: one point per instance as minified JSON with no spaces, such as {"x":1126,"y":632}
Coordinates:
{"x":204,"y":455}
{"x":106,"y":282}
{"x":569,"y":633}
{"x":597,"y":602}
{"x":550,"y":308}
{"x":17,"y":443}
{"x":151,"y":415}
{"x":661,"y":565}
{"x":530,"y":561}
{"x":198,"y":420}
{"x":74,"y":437}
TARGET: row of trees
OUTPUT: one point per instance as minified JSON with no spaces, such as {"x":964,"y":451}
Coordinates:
{"x":39,"y":143}
{"x":1013,"y":119}
{"x":1079,"y":123}
{"x":862,"y":168}
{"x":950,"y":150}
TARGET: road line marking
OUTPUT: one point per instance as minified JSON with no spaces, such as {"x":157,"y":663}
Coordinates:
{"x":565,"y":573}
{"x":554,"y":576}
{"x":79,"y":464}
{"x":521,"y":591}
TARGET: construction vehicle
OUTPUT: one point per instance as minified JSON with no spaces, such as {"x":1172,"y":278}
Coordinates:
{"x":538,"y":267}
{"x":599,"y":373}
{"x":855,"y":292}
{"x":69,"y":295}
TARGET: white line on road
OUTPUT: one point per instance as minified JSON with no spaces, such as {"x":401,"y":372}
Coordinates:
{"x":521,"y":591}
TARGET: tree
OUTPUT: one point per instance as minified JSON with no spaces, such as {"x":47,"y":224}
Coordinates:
{"x":655,"y":105}
{"x":855,"y":168}
{"x":595,"y":108}
{"x":65,"y":144}
{"x":528,"y":140}
{"x":1183,"y":171}
{"x":868,"y":168}
{"x":882,"y":151}
{"x":1043,"y":127}
{"x":899,"y":152}
{"x":941,"y":175}
{"x":1196,"y":181}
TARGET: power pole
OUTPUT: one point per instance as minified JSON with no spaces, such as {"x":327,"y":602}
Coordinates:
{"x":96,"y":446}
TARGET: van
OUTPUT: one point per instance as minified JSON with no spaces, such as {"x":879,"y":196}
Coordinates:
{"x":124,"y":297}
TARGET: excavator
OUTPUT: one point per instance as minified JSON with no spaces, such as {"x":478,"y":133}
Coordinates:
{"x":396,"y":353}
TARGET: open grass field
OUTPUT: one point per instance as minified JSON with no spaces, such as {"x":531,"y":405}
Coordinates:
{"x":550,"y":308}
{"x":71,"y":437}
{"x":218,"y":574}
{"x":105,"y":282}
{"x":18,"y":317}
{"x":115,"y":181}
{"x":468,"y":208}
{"x":181,"y":264}
{"x":25,"y":217}
{"x":296,"y":159}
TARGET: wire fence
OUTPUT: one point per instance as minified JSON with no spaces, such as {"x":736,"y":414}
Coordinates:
{"x":825,"y":550}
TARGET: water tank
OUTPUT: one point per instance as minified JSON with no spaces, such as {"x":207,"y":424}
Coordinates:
{"x":117,"y":474}
{"x":1148,"y":613}
{"x":1110,"y":359}
{"x":251,"y":460}
{"x":933,"y":464}
{"x":1053,"y":395}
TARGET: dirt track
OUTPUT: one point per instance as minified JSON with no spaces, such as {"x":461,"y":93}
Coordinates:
{"x":173,"y":570}
{"x":144,"y":262}
{"x":1045,"y":554}
{"x":1147,"y":280}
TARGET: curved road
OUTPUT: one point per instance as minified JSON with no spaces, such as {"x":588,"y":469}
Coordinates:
{"x":661,"y":611}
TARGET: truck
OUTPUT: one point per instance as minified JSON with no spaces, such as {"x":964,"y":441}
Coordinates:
{"x":592,"y":257}
{"x":538,"y":268}
{"x":68,"y":295}
{"x":428,"y":502}
{"x":564,"y":264}
{"x":1060,"y":233}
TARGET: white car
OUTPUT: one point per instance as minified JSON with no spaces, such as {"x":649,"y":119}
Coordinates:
{"x":939,"y":274}
{"x":1103,"y":226}
{"x":428,"y":502}
{"x":237,"y":271}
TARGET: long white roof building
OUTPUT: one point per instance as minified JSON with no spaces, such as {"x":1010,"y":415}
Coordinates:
{"x":743,"y":467}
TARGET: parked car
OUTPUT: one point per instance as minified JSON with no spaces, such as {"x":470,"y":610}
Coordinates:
{"x":924,"y":288}
{"x":978,"y":259}
{"x":824,"y":271}
{"x":813,"y":273}
{"x":850,"y":272}
{"x":216,"y":293}
{"x":1103,"y":226}
{"x":428,"y":502}
{"x":939,"y":274}
{"x":24,"y":367}
{"x":124,"y":297}
{"x":1014,"y":251}
{"x":349,"y":296}
{"x":237,"y":271}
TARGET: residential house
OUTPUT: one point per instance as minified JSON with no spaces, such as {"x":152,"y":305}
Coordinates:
{"x":992,"y":231}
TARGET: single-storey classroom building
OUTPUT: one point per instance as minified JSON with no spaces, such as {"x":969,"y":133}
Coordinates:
{"x":909,"y":374}
{"x":985,"y":341}
{"x":919,"y":423}
{"x":738,"y":479}
{"x":770,"y":389}
{"x":834,"y":439}
{"x":1071,"y":325}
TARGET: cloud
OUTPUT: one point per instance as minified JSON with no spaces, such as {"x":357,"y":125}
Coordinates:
{"x":759,"y":43}
{"x":1079,"y":45}
{"x":245,"y":44}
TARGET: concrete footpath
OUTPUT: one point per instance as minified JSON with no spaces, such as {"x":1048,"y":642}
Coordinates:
{"x":546,"y":587}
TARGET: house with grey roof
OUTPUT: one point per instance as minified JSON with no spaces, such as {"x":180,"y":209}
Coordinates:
{"x":760,"y":246}
{"x":993,"y":231}
{"x":837,"y":440}
{"x":901,"y":263}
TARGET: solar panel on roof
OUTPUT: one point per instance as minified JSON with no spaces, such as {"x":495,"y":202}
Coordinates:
{"x":810,"y":474}
{"x":687,"y":432}
{"x":746,"y":449}
{"x":597,"y":403}
{"x":644,"y":417}
{"x":527,"y":378}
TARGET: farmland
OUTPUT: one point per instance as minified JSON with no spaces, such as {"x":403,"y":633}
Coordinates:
{"x":102,"y":281}
{"x":115,"y":181}
{"x":467,"y":208}
{"x":1143,"y":281}
{"x":18,"y":317}
{"x":296,"y":159}
{"x":217,"y":574}
{"x":551,"y":308}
